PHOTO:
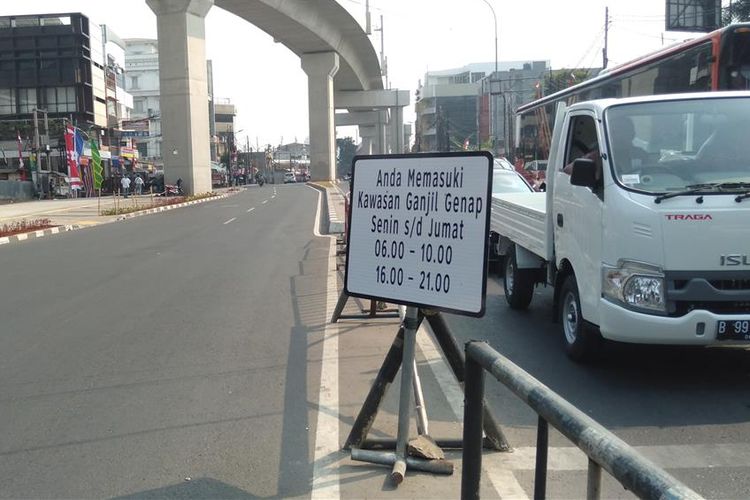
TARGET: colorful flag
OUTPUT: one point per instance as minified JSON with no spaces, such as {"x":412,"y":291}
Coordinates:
{"x":96,"y":164}
{"x":70,"y":148}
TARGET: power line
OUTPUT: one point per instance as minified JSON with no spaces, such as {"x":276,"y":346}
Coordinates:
{"x":593,"y":43}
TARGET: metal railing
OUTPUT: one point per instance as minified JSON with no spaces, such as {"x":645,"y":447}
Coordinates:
{"x":604,"y":450}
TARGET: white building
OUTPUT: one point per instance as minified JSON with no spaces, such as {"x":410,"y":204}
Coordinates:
{"x":142,"y":82}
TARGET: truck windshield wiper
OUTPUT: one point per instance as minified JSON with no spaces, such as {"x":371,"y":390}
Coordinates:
{"x":696,"y":188}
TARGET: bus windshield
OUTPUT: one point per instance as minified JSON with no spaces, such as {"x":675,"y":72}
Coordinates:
{"x":658,"y":147}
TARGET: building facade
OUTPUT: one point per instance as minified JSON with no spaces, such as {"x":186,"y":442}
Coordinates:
{"x":501,"y":94}
{"x":446,"y":108}
{"x":472,"y":107}
{"x":54,"y":66}
{"x":226,"y":146}
{"x":142,"y":82}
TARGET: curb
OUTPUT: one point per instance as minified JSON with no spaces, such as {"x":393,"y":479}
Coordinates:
{"x":72,"y":227}
{"x":335,"y":224}
{"x":172,"y":207}
{"x":39,"y":233}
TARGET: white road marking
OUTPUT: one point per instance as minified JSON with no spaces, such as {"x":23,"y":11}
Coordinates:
{"x":502,"y":479}
{"x":328,"y":454}
{"x":265,"y":201}
{"x":230,"y":220}
{"x":250,"y":209}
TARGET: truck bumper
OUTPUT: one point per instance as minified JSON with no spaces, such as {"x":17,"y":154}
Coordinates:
{"x":695,"y":328}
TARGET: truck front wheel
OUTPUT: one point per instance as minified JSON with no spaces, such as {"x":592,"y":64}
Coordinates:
{"x":582,"y":341}
{"x":518,"y":283}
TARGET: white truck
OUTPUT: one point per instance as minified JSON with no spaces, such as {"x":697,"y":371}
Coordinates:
{"x":644,"y":230}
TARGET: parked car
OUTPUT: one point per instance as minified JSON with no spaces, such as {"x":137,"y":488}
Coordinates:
{"x":503,"y":164}
{"x":508,"y":181}
{"x":289,"y":177}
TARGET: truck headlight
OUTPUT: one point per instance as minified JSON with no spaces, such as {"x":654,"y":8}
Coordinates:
{"x":635,"y":285}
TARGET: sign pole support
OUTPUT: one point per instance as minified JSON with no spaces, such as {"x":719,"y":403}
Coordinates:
{"x":411,"y":322}
{"x":400,"y":460}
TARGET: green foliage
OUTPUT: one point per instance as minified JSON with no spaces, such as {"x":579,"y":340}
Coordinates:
{"x":737,"y":11}
{"x":345,"y":151}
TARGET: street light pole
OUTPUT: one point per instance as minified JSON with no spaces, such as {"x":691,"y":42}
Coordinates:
{"x":493,"y":109}
{"x":494,"y":17}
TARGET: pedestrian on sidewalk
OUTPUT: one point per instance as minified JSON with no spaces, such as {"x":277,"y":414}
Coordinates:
{"x":125,"y":183}
{"x":138,"y":185}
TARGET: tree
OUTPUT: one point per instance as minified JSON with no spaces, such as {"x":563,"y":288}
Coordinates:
{"x":736,"y":12}
{"x":563,"y":78}
{"x":345,"y":151}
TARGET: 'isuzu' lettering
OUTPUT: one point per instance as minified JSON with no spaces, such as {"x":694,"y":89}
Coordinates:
{"x":734,"y":259}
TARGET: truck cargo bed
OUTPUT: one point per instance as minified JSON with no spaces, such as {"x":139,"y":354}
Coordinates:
{"x":521,"y":217}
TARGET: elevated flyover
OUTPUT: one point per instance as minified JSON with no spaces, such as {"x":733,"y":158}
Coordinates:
{"x":335,"y":53}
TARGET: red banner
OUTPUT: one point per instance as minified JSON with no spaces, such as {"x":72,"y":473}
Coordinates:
{"x":75,"y":179}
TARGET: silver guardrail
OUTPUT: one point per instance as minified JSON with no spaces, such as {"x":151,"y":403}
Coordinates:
{"x":604,"y":450}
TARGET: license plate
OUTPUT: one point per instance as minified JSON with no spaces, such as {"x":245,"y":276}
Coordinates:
{"x":733,"y":329}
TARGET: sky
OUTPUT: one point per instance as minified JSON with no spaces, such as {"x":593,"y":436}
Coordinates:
{"x":265,"y":81}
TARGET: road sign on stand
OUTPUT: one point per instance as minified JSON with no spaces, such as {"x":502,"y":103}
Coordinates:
{"x":418,"y":230}
{"x":417,"y":236}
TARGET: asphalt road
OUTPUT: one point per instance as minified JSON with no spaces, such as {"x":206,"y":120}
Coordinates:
{"x":179,"y":355}
{"x":687,"y":409}
{"x":166,"y":355}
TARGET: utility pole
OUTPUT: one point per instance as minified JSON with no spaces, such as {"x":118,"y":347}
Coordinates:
{"x":383,"y":60}
{"x":368,"y":23}
{"x":605,"y":60}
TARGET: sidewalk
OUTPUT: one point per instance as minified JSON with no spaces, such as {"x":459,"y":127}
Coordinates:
{"x":363,"y":344}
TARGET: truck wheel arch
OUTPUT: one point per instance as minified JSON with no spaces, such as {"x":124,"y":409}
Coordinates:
{"x":565,"y":270}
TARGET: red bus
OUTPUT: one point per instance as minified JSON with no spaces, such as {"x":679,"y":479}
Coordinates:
{"x":719,"y":60}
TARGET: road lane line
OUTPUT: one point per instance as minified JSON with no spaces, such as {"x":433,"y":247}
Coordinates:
{"x":230,"y":220}
{"x":505,"y":483}
{"x":328,"y":455}
{"x":250,"y":209}
{"x":265,"y":201}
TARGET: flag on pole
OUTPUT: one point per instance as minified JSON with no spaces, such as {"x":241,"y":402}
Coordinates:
{"x":70,"y":148}
{"x":96,"y":164}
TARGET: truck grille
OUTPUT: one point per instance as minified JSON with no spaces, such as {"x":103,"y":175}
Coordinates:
{"x":728,"y":307}
{"x":720,"y":292}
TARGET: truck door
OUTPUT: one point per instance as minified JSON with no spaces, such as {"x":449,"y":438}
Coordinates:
{"x":577,"y":216}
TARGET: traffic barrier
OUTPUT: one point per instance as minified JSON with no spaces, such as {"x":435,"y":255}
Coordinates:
{"x":604,"y":450}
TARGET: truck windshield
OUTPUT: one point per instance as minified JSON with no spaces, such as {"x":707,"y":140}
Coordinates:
{"x":662,"y":147}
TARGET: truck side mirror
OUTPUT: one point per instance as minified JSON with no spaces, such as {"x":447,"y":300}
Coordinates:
{"x":584,"y":173}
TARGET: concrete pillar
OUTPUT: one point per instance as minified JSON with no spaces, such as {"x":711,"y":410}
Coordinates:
{"x":321,"y":67}
{"x":365,"y":143}
{"x":382,"y":126}
{"x":397,"y":130}
{"x":183,"y":99}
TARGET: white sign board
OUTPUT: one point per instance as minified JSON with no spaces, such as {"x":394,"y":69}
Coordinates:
{"x":418,"y":229}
